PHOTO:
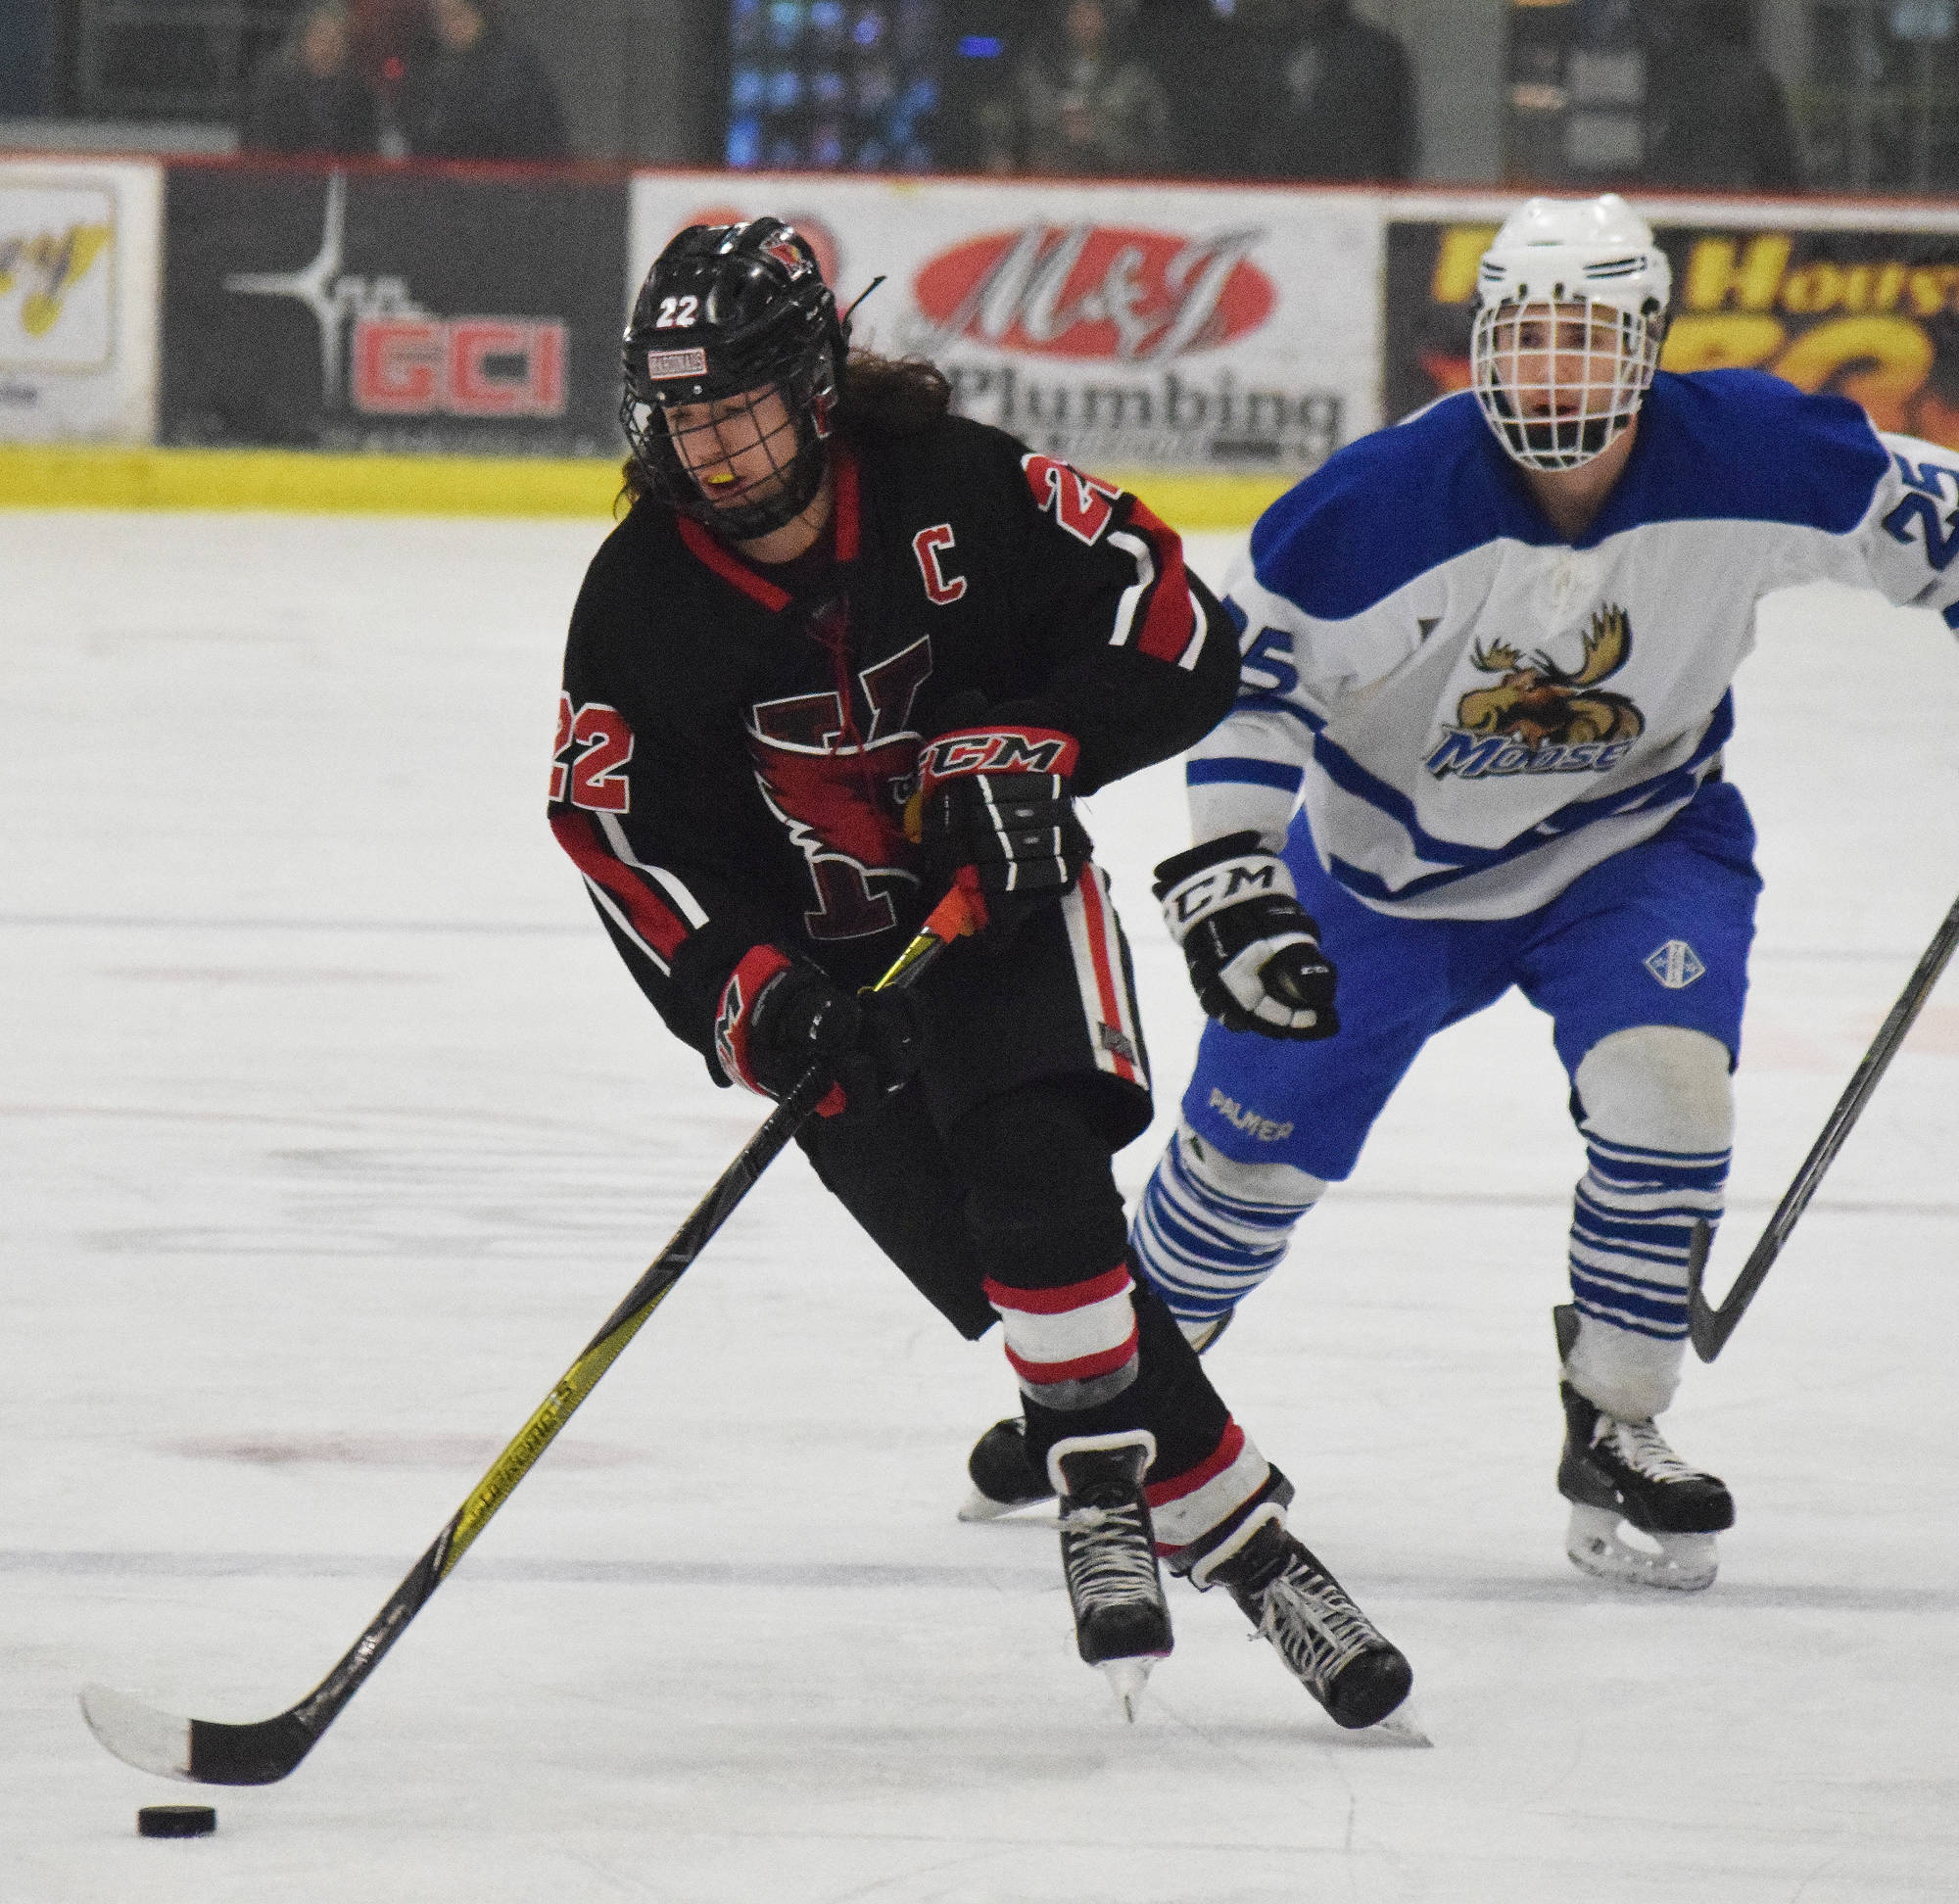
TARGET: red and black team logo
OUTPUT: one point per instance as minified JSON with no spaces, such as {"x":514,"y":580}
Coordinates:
{"x":840,"y":792}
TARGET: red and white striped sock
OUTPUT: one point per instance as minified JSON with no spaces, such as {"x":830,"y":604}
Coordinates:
{"x":1072,"y":1347}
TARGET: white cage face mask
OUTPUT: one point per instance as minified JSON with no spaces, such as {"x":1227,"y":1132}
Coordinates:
{"x":1558,"y":382}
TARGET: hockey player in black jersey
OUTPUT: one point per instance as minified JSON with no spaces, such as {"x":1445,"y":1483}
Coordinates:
{"x":844,"y":650}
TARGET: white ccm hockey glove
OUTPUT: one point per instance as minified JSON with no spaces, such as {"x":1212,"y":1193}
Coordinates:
{"x":1252,"y":951}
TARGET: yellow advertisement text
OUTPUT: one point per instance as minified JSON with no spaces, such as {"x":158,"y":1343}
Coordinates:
{"x":46,"y":266}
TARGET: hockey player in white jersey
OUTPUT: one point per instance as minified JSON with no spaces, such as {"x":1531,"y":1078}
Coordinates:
{"x":1477,"y":745}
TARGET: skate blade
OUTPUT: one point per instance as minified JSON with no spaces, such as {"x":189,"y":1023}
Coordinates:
{"x":1404,"y":1729}
{"x":1126,"y":1678}
{"x":983,"y":1507}
{"x":1676,"y":1563}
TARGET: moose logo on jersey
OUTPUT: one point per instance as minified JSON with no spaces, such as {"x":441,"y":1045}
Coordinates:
{"x":1541,"y":718}
{"x":839,"y":791}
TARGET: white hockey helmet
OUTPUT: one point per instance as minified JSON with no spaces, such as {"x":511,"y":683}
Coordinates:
{"x":1584,"y":275}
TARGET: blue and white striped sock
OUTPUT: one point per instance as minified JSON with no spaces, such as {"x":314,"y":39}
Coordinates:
{"x":1631,"y":1222}
{"x":1206,"y":1248}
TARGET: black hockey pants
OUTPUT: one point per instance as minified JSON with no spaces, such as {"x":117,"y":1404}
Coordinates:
{"x":1019,"y":1192}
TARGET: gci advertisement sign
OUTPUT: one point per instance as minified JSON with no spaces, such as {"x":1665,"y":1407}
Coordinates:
{"x":378,"y":311}
{"x":1118,"y":327}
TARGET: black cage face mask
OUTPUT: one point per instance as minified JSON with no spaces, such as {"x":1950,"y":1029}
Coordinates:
{"x":745,"y":464}
{"x":736,"y":343}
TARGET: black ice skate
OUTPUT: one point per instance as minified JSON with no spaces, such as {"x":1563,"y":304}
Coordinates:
{"x":1616,"y":1471}
{"x":1328,"y":1645}
{"x":1003,"y":1473}
{"x":1107,"y":1553}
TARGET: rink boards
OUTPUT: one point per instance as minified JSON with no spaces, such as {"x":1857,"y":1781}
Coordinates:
{"x":405,"y":321}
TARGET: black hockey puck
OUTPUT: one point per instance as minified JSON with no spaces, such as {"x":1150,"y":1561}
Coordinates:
{"x":176,"y":1821}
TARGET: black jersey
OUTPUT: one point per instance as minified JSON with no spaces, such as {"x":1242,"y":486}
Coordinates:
{"x":733,"y":759}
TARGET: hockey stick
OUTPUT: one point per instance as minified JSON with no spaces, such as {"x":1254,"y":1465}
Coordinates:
{"x":207,"y":1753}
{"x":1707,"y":1327}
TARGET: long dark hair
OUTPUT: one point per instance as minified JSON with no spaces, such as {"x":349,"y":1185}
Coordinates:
{"x":881,"y":396}
{"x":891,"y":396}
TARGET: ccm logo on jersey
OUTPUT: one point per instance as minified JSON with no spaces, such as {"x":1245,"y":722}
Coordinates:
{"x":998,"y":751}
{"x":928,"y":545}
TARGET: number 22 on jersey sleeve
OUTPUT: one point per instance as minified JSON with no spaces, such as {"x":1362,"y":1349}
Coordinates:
{"x":1084,"y":505}
{"x":593,"y":778}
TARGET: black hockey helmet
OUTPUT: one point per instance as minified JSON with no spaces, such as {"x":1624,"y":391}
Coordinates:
{"x":726,"y":312}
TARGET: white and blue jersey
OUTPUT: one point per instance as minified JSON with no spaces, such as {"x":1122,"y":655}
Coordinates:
{"x":1491,"y":758}
{"x":1471,"y":711}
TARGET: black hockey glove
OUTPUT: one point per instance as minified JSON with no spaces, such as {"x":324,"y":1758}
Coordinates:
{"x":994,"y":813}
{"x":778,"y":1016}
{"x":1254,"y":953}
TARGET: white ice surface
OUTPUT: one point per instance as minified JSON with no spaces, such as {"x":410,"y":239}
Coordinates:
{"x":332,"y":1129}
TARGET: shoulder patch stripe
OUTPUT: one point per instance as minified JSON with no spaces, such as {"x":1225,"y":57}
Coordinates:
{"x":1139,"y":551}
{"x":1230,"y":768}
{"x":1200,"y":630}
{"x":1170,"y":620}
{"x":849,"y":510}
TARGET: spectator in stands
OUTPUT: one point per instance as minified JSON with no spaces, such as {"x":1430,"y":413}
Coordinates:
{"x":1186,"y":44}
{"x":482,"y":92}
{"x":1315,"y":94}
{"x":1080,"y":104}
{"x":389,"y":37}
{"x":307,"y":96}
{"x":1715,"y":114}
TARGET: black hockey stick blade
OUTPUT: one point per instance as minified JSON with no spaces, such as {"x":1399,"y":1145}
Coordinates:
{"x":207,"y":1751}
{"x":1708,"y":1327}
{"x":199,"y":1750}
